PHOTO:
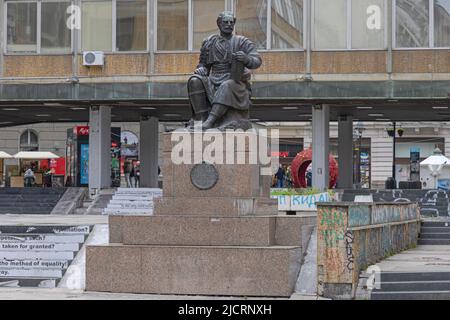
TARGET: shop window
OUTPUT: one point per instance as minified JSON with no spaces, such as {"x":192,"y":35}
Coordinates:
{"x":442,"y":23}
{"x":251,"y":22}
{"x":205,"y":17}
{"x":131,"y":25}
{"x":368,"y":25}
{"x":96,"y":25}
{"x":412,"y":23}
{"x":55,"y":36}
{"x":173,"y":24}
{"x":330,"y":24}
{"x":21,"y":26}
{"x":287,"y":24}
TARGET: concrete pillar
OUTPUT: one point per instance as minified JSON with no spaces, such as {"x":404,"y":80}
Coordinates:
{"x":320,"y":146}
{"x":99,"y":148}
{"x":345,"y":152}
{"x":148,"y":152}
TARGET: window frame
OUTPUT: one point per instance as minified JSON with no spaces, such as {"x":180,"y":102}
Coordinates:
{"x":349,"y":26}
{"x":431,"y":45}
{"x":190,"y":46}
{"x":268,"y":47}
{"x":29,"y":145}
{"x":114,"y":29}
{"x":38,"y":50}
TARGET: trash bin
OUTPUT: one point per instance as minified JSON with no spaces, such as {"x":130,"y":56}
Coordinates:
{"x":390,"y":184}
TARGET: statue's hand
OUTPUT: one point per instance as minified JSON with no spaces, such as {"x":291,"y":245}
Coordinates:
{"x":241,"y":56}
{"x":202,"y":71}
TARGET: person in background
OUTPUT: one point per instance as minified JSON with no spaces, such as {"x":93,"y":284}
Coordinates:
{"x":48,"y":178}
{"x":126,"y":171}
{"x":288,"y":177}
{"x":137,"y":174}
{"x":29,"y":177}
{"x":280,"y":176}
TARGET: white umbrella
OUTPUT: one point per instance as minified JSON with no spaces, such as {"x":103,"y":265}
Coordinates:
{"x":435,"y":162}
{"x":35,"y":155}
{"x":4,"y":155}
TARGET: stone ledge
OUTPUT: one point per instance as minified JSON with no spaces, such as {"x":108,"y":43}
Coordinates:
{"x":227,"y":271}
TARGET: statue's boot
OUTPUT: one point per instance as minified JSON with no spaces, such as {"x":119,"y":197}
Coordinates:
{"x":217,"y":112}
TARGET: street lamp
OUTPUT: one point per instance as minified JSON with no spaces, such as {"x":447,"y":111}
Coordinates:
{"x":391,"y":132}
{"x":435,"y":163}
{"x":358,"y":131}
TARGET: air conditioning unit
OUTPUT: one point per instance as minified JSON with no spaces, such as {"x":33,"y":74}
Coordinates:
{"x":93,"y":58}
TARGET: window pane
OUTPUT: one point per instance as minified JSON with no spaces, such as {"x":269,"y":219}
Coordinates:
{"x":96,"y":33}
{"x":442,"y":23}
{"x":172,"y":24}
{"x":131,"y":32}
{"x":368,"y":24}
{"x":205,"y":17}
{"x":412,"y":18}
{"x":21,"y":26}
{"x":287,"y":24}
{"x":252,"y":21}
{"x":330,"y":24}
{"x":55,"y":36}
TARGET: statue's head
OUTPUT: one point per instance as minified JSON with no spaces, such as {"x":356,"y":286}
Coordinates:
{"x":225,"y":22}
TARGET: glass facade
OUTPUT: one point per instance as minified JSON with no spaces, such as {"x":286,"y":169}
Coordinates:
{"x":330,"y":24}
{"x":368,"y":24}
{"x":204,"y":19}
{"x":173,"y":25}
{"x":412,"y":23}
{"x":442,"y":23}
{"x":124,"y":25}
{"x":21,"y":26}
{"x":131,"y":25}
{"x":287,"y":24}
{"x":96,"y":25}
{"x":55,"y":36}
{"x":251,"y":22}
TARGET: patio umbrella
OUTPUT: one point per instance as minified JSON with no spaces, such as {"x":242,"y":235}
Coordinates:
{"x":35,"y":155}
{"x":4,"y":155}
{"x":435,"y":163}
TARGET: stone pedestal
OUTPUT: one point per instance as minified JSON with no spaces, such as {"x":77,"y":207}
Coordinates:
{"x":214,"y":232}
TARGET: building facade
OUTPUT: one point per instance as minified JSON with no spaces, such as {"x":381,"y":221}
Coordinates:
{"x":372,"y":61}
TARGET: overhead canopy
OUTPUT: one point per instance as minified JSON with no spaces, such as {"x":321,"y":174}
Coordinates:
{"x":35,"y":155}
{"x":4,"y":155}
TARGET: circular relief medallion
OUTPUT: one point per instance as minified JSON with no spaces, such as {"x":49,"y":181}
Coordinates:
{"x":204,"y":176}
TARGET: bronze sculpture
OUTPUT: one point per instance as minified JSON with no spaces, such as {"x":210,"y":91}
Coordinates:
{"x":219,"y":90}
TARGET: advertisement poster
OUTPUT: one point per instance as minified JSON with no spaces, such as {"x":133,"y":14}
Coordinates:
{"x":84,"y":164}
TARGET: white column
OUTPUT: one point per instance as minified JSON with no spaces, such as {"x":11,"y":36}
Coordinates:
{"x":148,"y":152}
{"x":99,"y":148}
{"x":320,"y":146}
{"x":345,"y":152}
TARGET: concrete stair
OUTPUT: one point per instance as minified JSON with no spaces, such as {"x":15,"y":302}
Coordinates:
{"x":435,"y":233}
{"x":29,"y":200}
{"x":129,"y":201}
{"x":38,"y":256}
{"x":413,"y":286}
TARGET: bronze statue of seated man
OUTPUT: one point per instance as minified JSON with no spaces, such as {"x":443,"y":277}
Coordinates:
{"x":219,"y":90}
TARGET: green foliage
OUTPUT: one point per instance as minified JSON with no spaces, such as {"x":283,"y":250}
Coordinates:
{"x":295,"y":192}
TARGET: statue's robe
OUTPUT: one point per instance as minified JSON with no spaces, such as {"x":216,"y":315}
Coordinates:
{"x":216,"y":56}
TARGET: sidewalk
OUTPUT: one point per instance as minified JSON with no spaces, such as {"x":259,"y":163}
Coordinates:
{"x":66,"y":294}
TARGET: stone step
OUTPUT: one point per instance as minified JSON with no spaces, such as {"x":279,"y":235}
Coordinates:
{"x":414,"y":276}
{"x":34,"y":264}
{"x":81,"y":229}
{"x":33,"y":238}
{"x":439,"y":285}
{"x":28,"y":282}
{"x":138,"y":190}
{"x":127,"y":211}
{"x":131,"y":205}
{"x":39,"y":246}
{"x":132,"y":198}
{"x":195,"y":230}
{"x":436,"y":223}
{"x":440,"y":235}
{"x":131,"y":201}
{"x":435,"y":229}
{"x":411,"y":295}
{"x":26,"y":273}
{"x":193,"y":270}
{"x":443,"y":242}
